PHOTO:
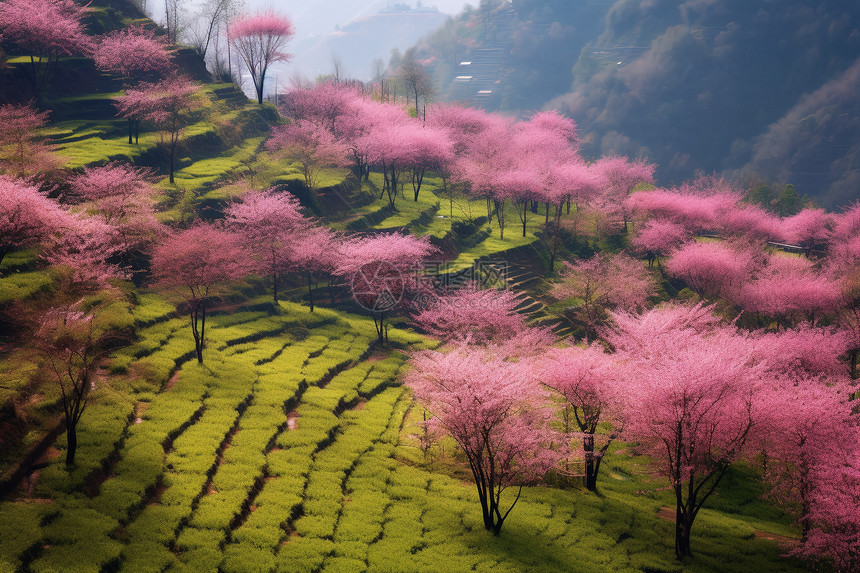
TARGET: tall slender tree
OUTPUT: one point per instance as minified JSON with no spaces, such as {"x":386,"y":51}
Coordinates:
{"x":259,"y":40}
{"x":195,"y":263}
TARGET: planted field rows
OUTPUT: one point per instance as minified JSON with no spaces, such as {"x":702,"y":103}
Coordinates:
{"x":292,"y":449}
{"x":215,"y":462}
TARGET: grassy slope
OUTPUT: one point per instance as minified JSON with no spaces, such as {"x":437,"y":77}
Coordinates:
{"x":208,"y":472}
{"x":265,"y":458}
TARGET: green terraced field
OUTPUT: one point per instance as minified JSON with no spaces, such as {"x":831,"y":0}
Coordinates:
{"x":292,"y":449}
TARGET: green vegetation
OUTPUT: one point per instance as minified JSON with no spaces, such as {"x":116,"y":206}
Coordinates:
{"x":295,"y":447}
{"x":289,"y":453}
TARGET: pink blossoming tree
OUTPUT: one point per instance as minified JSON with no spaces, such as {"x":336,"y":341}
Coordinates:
{"x":269,"y":222}
{"x":195,"y":263}
{"x":710,"y":269}
{"x":167,"y":104}
{"x":134,"y":53}
{"x":259,"y":39}
{"x":311,"y":146}
{"x":488,"y":317}
{"x":584,"y":378}
{"x":692,"y":405}
{"x":495,"y":411}
{"x":72,"y":344}
{"x":23,"y":153}
{"x":27,"y":217}
{"x":602,"y":283}
{"x":382,"y":272}
{"x":45,"y":30}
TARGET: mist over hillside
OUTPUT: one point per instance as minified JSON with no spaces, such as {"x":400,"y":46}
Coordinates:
{"x":356,"y":32}
{"x":760,"y":90}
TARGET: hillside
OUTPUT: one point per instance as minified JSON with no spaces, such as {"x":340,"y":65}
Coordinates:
{"x":301,"y":443}
{"x":756,"y":90}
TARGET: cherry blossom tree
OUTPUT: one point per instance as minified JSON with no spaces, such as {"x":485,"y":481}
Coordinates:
{"x":537,"y":147}
{"x":789,"y":288}
{"x":472,"y":316}
{"x":808,"y":435}
{"x":463,"y":127}
{"x":570,"y":181}
{"x":749,"y":221}
{"x":22,"y":152}
{"x":692,"y":404}
{"x":314,"y":250}
{"x":259,"y":40}
{"x":834,"y":512}
{"x":27,"y":217}
{"x":382,"y":272}
{"x":90,"y":249}
{"x":429,"y":149}
{"x":494,"y":410}
{"x":196,"y":262}
{"x":133,"y":53}
{"x":711,"y":269}
{"x":386,"y":146}
{"x":168,"y":104}
{"x":323,"y":104}
{"x":601,"y":283}
{"x":72,"y":344}
{"x":269,"y":222}
{"x":809,"y":229}
{"x":483,"y":160}
{"x":621,"y":175}
{"x":312,"y":146}
{"x":585,"y":379}
{"x":693,"y":212}
{"x":45,"y":30}
{"x":657,"y":238}
{"x":803,"y":352}
{"x":123,"y":195}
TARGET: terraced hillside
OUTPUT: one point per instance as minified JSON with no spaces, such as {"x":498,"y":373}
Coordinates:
{"x":291,"y":449}
{"x":295,"y":447}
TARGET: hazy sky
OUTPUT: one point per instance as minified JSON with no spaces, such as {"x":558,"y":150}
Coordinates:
{"x":314,"y":19}
{"x":321,"y":16}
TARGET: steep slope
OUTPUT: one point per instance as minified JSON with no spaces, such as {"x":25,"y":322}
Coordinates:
{"x":705,"y":85}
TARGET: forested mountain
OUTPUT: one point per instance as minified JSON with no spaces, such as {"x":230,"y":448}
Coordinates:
{"x":762,"y":90}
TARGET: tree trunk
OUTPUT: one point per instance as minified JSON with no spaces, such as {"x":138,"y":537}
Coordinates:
{"x":500,"y":216}
{"x":130,"y":131}
{"x":72,"y":441}
{"x":172,"y":161}
{"x":682,"y":536}
{"x":417,"y":180}
{"x":590,"y":477}
{"x":525,"y":211}
{"x":198,"y":328}
{"x":275,"y":286}
{"x":260,"y":88}
{"x":310,"y":290}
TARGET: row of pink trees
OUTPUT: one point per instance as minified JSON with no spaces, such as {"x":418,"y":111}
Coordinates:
{"x":803,"y":427}
{"x":697,"y":394}
{"x":266,"y":233}
{"x":493,"y":158}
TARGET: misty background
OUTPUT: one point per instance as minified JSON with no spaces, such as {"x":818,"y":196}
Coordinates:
{"x":764,"y":92}
{"x":359,"y":33}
